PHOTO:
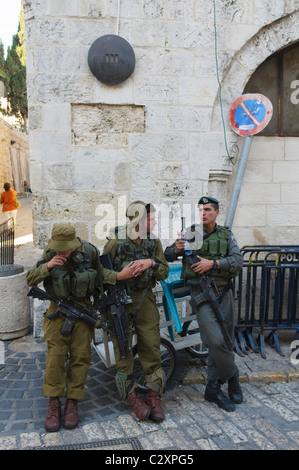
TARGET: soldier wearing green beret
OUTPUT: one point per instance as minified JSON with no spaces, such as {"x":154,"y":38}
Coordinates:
{"x":69,"y":267}
{"x":218,"y":257}
{"x":136,"y":246}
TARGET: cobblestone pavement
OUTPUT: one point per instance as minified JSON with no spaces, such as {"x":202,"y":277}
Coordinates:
{"x":268,"y":419}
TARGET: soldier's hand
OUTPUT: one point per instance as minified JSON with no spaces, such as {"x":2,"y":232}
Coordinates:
{"x":125,"y":273}
{"x":57,"y":260}
{"x":202,"y":266}
{"x":141,"y":265}
{"x":179,"y":245}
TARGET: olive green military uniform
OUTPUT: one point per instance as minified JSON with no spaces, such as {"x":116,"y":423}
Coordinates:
{"x":78,"y":277}
{"x":123,"y":250}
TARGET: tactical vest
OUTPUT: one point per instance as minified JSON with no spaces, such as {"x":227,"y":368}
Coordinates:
{"x":77,"y":277}
{"x":214,"y":246}
{"x":128,"y":251}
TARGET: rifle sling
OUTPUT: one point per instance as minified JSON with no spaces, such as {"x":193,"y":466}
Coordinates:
{"x":140,"y":301}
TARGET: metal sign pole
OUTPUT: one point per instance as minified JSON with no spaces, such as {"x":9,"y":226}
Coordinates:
{"x":238,"y":182}
{"x":248,"y":115}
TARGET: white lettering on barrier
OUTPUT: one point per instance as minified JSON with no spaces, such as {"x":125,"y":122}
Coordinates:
{"x":289,"y":257}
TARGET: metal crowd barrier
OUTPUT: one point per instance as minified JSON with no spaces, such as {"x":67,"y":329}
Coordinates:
{"x":7,"y":239}
{"x":267,"y":295}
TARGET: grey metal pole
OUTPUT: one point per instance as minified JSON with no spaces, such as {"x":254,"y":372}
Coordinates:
{"x":230,"y":214}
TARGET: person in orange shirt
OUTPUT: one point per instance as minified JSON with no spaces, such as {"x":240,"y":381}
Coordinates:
{"x":8,"y":198}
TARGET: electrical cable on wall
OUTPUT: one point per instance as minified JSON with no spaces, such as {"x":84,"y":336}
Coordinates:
{"x":117,"y":22}
{"x":233,"y":160}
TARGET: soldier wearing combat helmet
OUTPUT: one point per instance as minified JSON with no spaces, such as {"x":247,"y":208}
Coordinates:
{"x":69,"y":267}
{"x":134,"y":245}
{"x":218,"y":257}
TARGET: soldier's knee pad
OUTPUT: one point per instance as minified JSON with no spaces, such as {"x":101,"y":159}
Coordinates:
{"x":156,"y":381}
{"x":125,"y":384}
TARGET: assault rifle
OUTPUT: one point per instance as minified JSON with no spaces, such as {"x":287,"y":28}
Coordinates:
{"x":209,"y":293}
{"x":116,"y":298}
{"x":69,"y":308}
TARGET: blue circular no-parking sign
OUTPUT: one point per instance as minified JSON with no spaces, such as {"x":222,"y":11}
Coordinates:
{"x":250,"y":114}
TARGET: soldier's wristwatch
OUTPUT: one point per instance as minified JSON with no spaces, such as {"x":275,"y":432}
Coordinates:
{"x":156,"y":265}
{"x":215,"y":265}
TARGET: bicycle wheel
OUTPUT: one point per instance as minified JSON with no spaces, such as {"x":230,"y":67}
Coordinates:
{"x":168,"y":360}
{"x":196,"y":350}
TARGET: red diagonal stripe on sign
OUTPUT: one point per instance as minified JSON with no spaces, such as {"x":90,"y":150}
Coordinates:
{"x":254,"y":120}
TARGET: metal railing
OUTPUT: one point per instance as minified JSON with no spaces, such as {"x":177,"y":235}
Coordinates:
{"x":267,"y":295}
{"x":7,"y":238}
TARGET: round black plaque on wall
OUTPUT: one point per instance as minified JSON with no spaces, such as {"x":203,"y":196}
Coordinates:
{"x":111,"y":59}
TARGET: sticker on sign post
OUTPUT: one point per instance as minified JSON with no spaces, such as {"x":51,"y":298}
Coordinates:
{"x":250,"y":114}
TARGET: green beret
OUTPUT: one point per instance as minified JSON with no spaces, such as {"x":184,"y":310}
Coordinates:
{"x":207,"y":200}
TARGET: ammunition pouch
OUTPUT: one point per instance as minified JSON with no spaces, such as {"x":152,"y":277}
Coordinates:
{"x":58,"y":284}
{"x":77,"y":278}
{"x":61,"y":284}
{"x":128,"y":251}
{"x":83,"y":283}
{"x":213,"y":247}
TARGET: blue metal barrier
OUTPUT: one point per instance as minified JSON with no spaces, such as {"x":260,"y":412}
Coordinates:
{"x":266,"y":293}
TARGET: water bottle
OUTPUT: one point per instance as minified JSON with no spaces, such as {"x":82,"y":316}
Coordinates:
{"x":188,"y":249}
{"x":191,"y":257}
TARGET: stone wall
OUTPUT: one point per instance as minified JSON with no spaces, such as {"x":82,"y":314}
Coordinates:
{"x":158,"y":136}
{"x":267,"y":211}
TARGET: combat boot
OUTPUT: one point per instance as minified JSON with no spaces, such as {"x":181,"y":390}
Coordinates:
{"x":234,"y":389}
{"x":140,"y":408}
{"x":154,"y":401}
{"x":52,"y":422}
{"x":214,"y":394}
{"x":71,"y":417}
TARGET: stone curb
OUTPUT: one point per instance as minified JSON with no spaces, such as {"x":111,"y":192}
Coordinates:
{"x":265,"y":377}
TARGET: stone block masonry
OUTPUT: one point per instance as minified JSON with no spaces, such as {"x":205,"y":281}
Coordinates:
{"x":105,"y":125}
{"x":159,"y":135}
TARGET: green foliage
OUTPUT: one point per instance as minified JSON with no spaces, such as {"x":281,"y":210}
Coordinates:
{"x":15,"y":74}
{"x":2,"y":62}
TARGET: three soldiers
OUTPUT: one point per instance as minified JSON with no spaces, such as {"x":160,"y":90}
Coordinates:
{"x":71,"y":267}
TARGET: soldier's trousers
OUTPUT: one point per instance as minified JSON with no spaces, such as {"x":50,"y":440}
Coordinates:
{"x":221,"y":361}
{"x":148,"y":340}
{"x":68,"y":358}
